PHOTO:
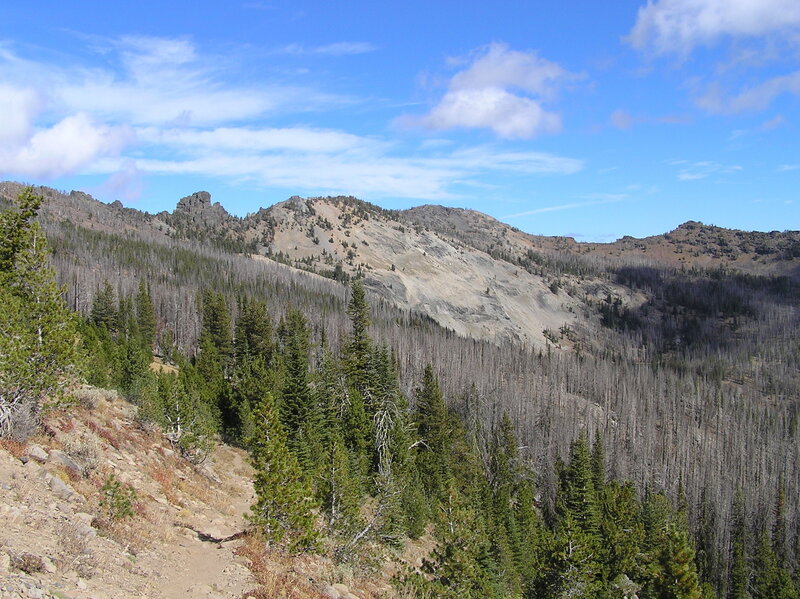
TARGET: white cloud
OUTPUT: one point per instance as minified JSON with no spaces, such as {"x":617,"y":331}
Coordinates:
{"x":334,"y":49}
{"x":64,"y":148}
{"x":362,"y":171}
{"x":159,"y":82}
{"x":508,"y":115}
{"x":298,"y":139}
{"x":694,"y":171}
{"x":621,"y":119}
{"x":611,"y":199}
{"x":185,"y":115}
{"x":754,"y":98}
{"x":502,"y":90}
{"x":678,"y":26}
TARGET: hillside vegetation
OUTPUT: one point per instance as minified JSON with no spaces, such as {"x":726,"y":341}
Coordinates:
{"x":681,"y":381}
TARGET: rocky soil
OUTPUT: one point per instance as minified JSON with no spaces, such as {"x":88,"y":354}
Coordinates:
{"x":62,"y":535}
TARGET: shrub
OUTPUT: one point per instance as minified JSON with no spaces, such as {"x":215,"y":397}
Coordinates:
{"x":117,"y":499}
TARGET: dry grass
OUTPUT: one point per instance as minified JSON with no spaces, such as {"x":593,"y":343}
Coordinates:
{"x":274,"y":573}
{"x":85,"y":450}
{"x":165,"y":477}
{"x":76,"y":553}
{"x":15,"y":448}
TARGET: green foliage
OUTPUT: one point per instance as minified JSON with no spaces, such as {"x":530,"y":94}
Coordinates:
{"x":145,"y":317}
{"x":117,"y":500}
{"x":217,"y":324}
{"x":104,"y":308}
{"x":253,"y":331}
{"x":38,"y":334}
{"x":433,"y":428}
{"x":284,"y":499}
{"x":460,"y":566}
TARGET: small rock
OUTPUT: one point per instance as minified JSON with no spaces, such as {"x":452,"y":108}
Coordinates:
{"x":34,"y":592}
{"x":83,"y":518}
{"x":60,"y":488}
{"x":49,"y":566}
{"x":342,"y":589}
{"x":330,"y":592}
{"x":36,"y":452}
{"x":63,"y":459}
{"x":5,"y":562}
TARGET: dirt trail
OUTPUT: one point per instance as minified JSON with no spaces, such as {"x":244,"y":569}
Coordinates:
{"x":203,"y":562}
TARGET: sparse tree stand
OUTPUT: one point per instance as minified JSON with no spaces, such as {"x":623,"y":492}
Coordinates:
{"x":284,"y":499}
{"x":38,"y":334}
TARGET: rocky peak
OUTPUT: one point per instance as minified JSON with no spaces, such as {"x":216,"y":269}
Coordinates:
{"x":197,"y":201}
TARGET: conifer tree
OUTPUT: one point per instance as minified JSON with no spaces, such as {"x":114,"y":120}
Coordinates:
{"x":339,"y":490}
{"x":299,"y":412}
{"x":284,"y":505}
{"x":460,"y":566}
{"x":739,"y":577}
{"x":779,"y":523}
{"x":104,"y":308}
{"x":254,"y":337}
{"x":433,"y":429}
{"x":217,"y":324}
{"x":359,"y":345}
{"x":598,"y":462}
{"x":678,"y":578}
{"x":579,"y":498}
{"x":145,"y":316}
{"x":38,"y":334}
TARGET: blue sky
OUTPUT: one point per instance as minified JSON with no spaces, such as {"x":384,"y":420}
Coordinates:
{"x":588,"y":119}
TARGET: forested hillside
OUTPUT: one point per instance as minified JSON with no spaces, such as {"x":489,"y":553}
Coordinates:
{"x":682,"y":381}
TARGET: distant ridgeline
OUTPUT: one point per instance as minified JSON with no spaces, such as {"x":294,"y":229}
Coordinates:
{"x":681,"y":380}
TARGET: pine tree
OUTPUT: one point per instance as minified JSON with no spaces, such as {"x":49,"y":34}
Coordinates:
{"x":679,"y":577}
{"x":621,"y":530}
{"x":284,"y":505}
{"x":254,"y":338}
{"x":104,"y":308}
{"x":779,"y":524}
{"x":579,"y":498}
{"x":340,"y":491}
{"x":739,"y":577}
{"x":299,"y":412}
{"x":460,"y":566}
{"x":38,"y":334}
{"x":598,"y":462}
{"x":217,"y":324}
{"x":359,"y":345}
{"x":145,"y":317}
{"x":433,"y":428}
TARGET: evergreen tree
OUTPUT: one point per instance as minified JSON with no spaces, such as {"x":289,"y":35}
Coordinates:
{"x":38,"y":333}
{"x":299,"y":412}
{"x":707,"y":556}
{"x":579,"y":498}
{"x":460,"y":566}
{"x":145,"y":317}
{"x":359,"y":345}
{"x":284,"y":505}
{"x":598,"y":462}
{"x":104,"y":308}
{"x":433,"y":428}
{"x":739,"y":577}
{"x":340,"y":490}
{"x":678,"y":574}
{"x":254,"y":337}
{"x":621,"y":530}
{"x":779,"y":524}
{"x":217,"y":324}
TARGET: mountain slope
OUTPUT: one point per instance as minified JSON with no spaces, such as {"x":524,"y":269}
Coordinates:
{"x":688,"y":375}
